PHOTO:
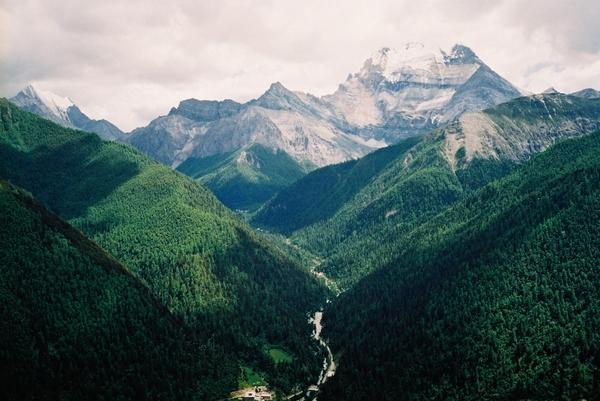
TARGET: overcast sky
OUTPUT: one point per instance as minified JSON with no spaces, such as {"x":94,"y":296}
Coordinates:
{"x":130,"y":61}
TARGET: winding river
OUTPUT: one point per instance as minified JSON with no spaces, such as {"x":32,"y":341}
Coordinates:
{"x":328,"y":364}
{"x":328,"y":370}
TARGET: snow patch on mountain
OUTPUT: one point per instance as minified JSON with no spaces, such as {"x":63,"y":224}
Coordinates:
{"x":416,"y":63}
{"x":44,"y":103}
{"x":58,"y":105}
{"x":63,"y":111}
{"x":413,"y":89}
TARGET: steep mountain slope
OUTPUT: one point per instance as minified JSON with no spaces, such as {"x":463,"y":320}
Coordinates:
{"x":199,"y":259}
{"x":408,"y":91}
{"x":76,"y":324}
{"x":105,"y":129}
{"x":279,"y":119}
{"x":424,"y":179}
{"x":319,"y":195}
{"x":497,"y":297}
{"x":167,"y":138}
{"x":64,"y":112}
{"x":247,"y":178}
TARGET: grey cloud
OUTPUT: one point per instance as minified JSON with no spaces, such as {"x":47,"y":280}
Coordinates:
{"x":571,"y":25}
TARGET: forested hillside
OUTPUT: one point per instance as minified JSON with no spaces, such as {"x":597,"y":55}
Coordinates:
{"x":374,"y":202}
{"x":246,"y":178}
{"x":76,"y":324}
{"x":495,"y":298}
{"x":318,"y":196}
{"x":196,"y":257}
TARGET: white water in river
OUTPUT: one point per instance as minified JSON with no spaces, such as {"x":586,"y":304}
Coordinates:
{"x":328,"y":369}
{"x":328,"y":364}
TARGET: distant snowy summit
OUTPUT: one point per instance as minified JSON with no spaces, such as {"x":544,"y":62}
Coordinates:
{"x":63,"y":111}
{"x":418,"y":64}
{"x":413,"y":89}
{"x":44,"y":103}
{"x":550,"y":91}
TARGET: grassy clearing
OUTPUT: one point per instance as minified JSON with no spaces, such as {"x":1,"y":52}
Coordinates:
{"x":279,"y":355}
{"x":250,"y":378}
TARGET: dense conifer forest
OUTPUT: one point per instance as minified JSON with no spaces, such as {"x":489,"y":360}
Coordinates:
{"x":247,"y":178}
{"x":200,"y":260}
{"x":76,"y":322}
{"x":496,"y":297}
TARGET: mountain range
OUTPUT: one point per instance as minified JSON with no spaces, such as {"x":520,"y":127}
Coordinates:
{"x":398,"y":93}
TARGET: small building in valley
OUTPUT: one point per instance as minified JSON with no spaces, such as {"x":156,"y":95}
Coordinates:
{"x":261,"y":393}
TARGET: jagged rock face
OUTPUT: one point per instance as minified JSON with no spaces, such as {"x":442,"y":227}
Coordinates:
{"x":405,"y":92}
{"x":279,"y":119}
{"x":63,"y":111}
{"x":166,"y":137}
{"x":249,"y":126}
{"x":206,"y":110}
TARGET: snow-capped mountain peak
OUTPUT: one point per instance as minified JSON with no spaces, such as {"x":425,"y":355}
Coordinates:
{"x":461,"y":54}
{"x":414,"y":88}
{"x":397,"y":93}
{"x":57,"y":105}
{"x":390,"y":62}
{"x":550,"y":91}
{"x":415,"y":62}
{"x":62,"y":110}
